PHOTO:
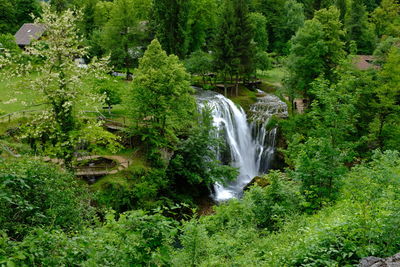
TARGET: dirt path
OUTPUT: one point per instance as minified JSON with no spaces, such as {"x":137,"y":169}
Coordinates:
{"x":122,"y":163}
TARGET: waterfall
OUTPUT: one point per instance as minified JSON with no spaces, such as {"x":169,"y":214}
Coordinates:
{"x":250,"y":147}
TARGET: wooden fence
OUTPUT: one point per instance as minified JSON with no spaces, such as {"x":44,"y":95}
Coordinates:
{"x":18,"y":114}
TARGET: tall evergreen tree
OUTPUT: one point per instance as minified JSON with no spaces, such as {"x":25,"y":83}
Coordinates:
{"x":234,"y":49}
{"x":358,"y":28}
{"x":259,"y":23}
{"x":223,"y":47}
{"x":342,"y":6}
{"x":243,"y":42}
{"x":7,"y":17}
{"x":170,"y":22}
{"x":24,"y":9}
{"x":201,"y":26}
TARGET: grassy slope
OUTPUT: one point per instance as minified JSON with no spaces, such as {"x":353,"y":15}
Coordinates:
{"x":15,"y":96}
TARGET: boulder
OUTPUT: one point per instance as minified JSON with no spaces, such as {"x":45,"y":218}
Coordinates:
{"x":393,"y":261}
{"x":258,"y":180}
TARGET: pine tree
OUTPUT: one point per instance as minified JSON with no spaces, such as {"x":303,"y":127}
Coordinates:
{"x":223,"y":47}
{"x":244,"y":49}
{"x":7,"y":17}
{"x":234,"y":50}
{"x":170,"y":22}
{"x":342,"y":6}
{"x":358,"y":28}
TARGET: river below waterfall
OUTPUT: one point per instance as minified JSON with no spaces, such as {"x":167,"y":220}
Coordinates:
{"x":250,"y":147}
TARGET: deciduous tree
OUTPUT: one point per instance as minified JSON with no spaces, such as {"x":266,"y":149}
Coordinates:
{"x":316,"y":50}
{"x":162,"y":102}
{"x":60,"y":127}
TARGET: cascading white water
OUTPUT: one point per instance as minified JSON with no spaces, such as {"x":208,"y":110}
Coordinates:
{"x":250,"y":146}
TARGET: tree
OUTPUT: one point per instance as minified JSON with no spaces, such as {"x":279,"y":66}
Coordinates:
{"x":358,"y":28}
{"x":110,"y":89}
{"x":201,"y":25}
{"x":7,"y":17}
{"x":24,"y":10}
{"x":60,"y":127}
{"x":318,"y":166}
{"x":385,"y":126}
{"x":318,"y":154}
{"x":170,"y":23}
{"x":386,"y":18}
{"x":60,"y":5}
{"x":162,"y":103}
{"x":223,"y":46}
{"x":316,"y":50}
{"x":274,"y":12}
{"x":199,"y":63}
{"x":262,"y":61}
{"x":342,"y":6}
{"x":261,"y":58}
{"x":383,"y":48}
{"x":124,"y":33}
{"x":292,"y":19}
{"x":195,"y":162}
{"x":89,"y":10}
{"x":102,"y":13}
{"x":7,"y":41}
{"x":234,"y":50}
{"x":243,"y":41}
{"x":259,"y":23}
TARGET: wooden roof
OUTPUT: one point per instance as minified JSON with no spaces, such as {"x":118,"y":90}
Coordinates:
{"x":365,"y":62}
{"x":29,"y":32}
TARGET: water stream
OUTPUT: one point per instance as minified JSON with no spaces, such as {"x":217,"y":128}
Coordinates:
{"x":250,"y":146}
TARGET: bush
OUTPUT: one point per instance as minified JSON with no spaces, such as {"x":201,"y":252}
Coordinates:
{"x":34,"y":194}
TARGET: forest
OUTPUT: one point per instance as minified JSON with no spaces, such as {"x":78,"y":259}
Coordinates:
{"x":199,"y":132}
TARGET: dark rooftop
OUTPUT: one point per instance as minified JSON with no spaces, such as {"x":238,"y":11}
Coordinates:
{"x":28,"y":32}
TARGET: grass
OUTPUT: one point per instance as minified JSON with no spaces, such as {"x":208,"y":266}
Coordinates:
{"x":245,"y":99}
{"x":273,"y":76}
{"x":15,"y":96}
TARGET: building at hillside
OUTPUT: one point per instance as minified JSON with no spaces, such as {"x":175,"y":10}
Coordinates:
{"x":27,"y":33}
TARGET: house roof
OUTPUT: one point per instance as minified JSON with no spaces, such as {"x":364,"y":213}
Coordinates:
{"x":27,"y":32}
{"x":365,"y":62}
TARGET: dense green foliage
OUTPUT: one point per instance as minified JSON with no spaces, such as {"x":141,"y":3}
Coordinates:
{"x":34,"y":194}
{"x":361,"y":223}
{"x":162,"y":104}
{"x":333,"y":201}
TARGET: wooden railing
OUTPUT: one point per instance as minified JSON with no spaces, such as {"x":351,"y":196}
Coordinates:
{"x":9,"y":116}
{"x":22,"y":113}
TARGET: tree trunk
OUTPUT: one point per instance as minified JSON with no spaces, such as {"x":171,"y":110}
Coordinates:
{"x":237,"y":84}
{"x":225,"y":91}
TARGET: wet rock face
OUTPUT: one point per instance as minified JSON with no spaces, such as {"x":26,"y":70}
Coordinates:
{"x":267,"y":106}
{"x":393,"y":261}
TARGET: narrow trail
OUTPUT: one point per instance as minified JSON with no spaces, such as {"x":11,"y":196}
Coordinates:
{"x":122,"y":164}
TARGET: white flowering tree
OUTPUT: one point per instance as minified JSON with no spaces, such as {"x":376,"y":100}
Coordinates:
{"x":62,"y":125}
